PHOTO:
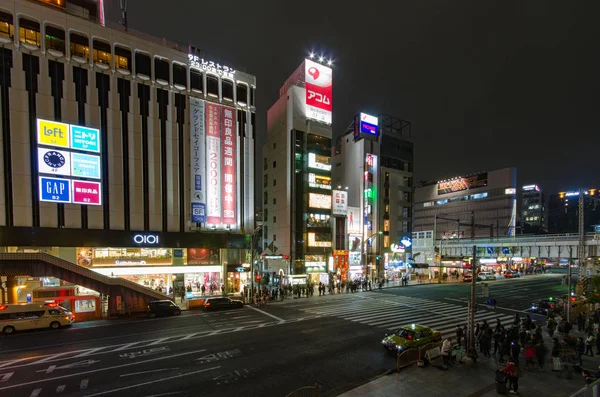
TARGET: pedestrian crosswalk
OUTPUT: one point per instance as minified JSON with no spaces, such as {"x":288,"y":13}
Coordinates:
{"x":399,"y":311}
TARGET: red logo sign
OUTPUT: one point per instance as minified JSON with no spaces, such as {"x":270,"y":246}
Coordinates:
{"x":86,"y":193}
{"x":318,"y":84}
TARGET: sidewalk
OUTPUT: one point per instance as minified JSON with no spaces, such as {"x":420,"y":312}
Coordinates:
{"x":475,"y":380}
{"x":469,"y":380}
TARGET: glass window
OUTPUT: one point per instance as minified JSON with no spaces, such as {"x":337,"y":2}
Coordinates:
{"x":102,"y":52}
{"x":478,"y":196}
{"x":242,"y":94}
{"x":161,"y":70}
{"x":428,"y":234}
{"x":266,"y":181}
{"x":274,"y":182}
{"x":441,"y":202}
{"x":428,"y":204}
{"x":196,"y":81}
{"x":80,"y":46}
{"x":55,"y":39}
{"x":274,"y":219}
{"x":265,"y":166}
{"x":29,"y":32}
{"x":266,"y":198}
{"x":227,"y":90}
{"x":421,"y":235}
{"x":212,"y":86}
{"x":143,"y":64}
{"x":252,"y":90}
{"x":179,"y":75}
{"x":274,"y":164}
{"x":7,"y":28}
{"x":122,"y":58}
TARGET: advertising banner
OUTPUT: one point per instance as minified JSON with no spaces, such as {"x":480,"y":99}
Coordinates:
{"x":84,"y":138}
{"x":55,"y":190}
{"x":197,"y":152}
{"x":340,"y":202}
{"x":353,"y":220}
{"x":318,"y":83}
{"x":213,"y":157}
{"x":52,"y":133}
{"x":85,"y":165}
{"x":228,"y":169}
{"x":460,"y":184}
{"x":55,"y":162}
{"x":322,"y":201}
{"x":198,"y":212}
{"x":87,"y":193}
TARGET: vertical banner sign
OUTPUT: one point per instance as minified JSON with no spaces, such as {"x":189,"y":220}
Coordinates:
{"x":318,"y":83}
{"x":197,"y":154}
{"x":213,"y":164}
{"x":229,"y":166}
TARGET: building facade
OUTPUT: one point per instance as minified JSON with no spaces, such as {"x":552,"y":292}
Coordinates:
{"x":533,"y":210}
{"x":481,"y":204}
{"x":563,"y":211}
{"x":373,"y":163}
{"x":125,"y":154}
{"x":296,"y":166}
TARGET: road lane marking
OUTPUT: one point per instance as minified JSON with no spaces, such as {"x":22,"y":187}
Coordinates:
{"x":5,"y":377}
{"x":153,"y":381}
{"x":149,"y":372}
{"x":126,"y":346}
{"x":84,"y":363}
{"x":84,"y":384}
{"x":60,"y":388}
{"x":87,"y":353}
{"x":99,"y":370}
{"x":49,"y":358}
{"x":7,"y":363}
{"x":35,"y":393}
{"x":281,"y":321}
{"x":158,"y":341}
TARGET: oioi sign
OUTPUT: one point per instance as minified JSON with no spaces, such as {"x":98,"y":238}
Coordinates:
{"x":151,"y":239}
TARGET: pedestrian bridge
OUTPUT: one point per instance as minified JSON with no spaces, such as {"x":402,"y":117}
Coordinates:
{"x":548,"y":246}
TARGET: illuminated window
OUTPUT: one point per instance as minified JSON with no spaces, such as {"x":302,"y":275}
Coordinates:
{"x":7,"y":28}
{"x":122,"y":58}
{"x":80,"y":46}
{"x":29,"y":32}
{"x":60,"y":3}
{"x":428,"y":204}
{"x":102,"y":52}
{"x":55,"y":39}
{"x":478,"y":196}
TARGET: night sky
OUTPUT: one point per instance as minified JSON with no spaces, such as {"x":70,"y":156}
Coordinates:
{"x":484,"y":83}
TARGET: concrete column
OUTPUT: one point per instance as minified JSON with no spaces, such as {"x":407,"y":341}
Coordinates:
{"x":11,"y":287}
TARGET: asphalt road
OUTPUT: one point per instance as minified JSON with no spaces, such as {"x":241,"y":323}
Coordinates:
{"x":270,"y":351}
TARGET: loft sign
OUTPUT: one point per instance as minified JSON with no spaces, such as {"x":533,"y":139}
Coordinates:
{"x":145,"y":239}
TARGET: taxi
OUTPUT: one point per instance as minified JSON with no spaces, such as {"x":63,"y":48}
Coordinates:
{"x":410,"y":337}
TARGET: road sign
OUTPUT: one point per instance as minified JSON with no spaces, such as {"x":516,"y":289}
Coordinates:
{"x":505,"y":250}
{"x":490,"y":250}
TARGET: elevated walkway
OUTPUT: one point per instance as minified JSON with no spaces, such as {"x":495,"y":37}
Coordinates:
{"x":135,"y":297}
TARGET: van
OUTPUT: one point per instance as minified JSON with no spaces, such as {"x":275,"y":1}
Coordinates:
{"x":487,"y":276}
{"x":21,"y":317}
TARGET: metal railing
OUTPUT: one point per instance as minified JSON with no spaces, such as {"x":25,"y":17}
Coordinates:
{"x":543,"y":238}
{"x":411,"y":356}
{"x":82,"y":271}
{"x":306,"y":391}
{"x":591,"y":390}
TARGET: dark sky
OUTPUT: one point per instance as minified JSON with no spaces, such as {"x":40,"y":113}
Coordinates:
{"x":484,"y":83}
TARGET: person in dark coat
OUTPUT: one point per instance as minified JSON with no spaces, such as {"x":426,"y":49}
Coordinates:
{"x":515,"y":350}
{"x":540,"y":353}
{"x":580,"y":349}
{"x":580,"y":322}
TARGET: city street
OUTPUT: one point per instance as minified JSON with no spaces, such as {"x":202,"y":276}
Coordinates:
{"x":273,"y":350}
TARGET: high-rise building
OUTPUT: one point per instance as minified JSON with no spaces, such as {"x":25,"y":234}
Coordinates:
{"x":296,"y":168}
{"x":373,"y":167}
{"x":563,"y":211}
{"x":533,"y":211}
{"x":125,"y":154}
{"x":480,"y":204}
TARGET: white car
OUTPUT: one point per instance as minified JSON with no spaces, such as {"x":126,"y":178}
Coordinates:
{"x":487,"y":276}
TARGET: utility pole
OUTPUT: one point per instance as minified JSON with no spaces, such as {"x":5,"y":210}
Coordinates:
{"x":473,"y":305}
{"x":581,"y":242}
{"x":569,"y":285}
{"x":123,"y":4}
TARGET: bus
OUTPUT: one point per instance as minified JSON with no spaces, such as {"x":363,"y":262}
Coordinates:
{"x":26,"y":316}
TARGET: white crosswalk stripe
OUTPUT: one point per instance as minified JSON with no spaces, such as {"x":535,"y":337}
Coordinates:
{"x":403,"y":310}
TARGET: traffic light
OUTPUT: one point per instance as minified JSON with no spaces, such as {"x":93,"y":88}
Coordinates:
{"x":572,"y":299}
{"x":257,"y":278}
{"x":550,"y":299}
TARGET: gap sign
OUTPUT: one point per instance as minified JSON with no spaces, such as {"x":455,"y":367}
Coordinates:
{"x":55,"y":190}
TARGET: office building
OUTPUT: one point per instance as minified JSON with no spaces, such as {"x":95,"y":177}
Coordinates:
{"x":296,"y":166}
{"x":533,"y":211}
{"x":373,"y":164}
{"x":563,"y":211}
{"x":481,"y":204}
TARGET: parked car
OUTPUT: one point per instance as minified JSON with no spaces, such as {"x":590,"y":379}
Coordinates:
{"x":222,"y":303}
{"x":410,"y":336}
{"x":511,"y":274}
{"x":163,"y":308}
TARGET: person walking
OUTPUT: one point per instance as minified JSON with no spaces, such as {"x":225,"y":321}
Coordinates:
{"x":589,"y":342}
{"x":515,"y":350}
{"x":580,"y":349}
{"x":511,"y":372}
{"x":459,"y":334}
{"x":556,"y":365}
{"x":540,"y":353}
{"x":580,"y":322}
